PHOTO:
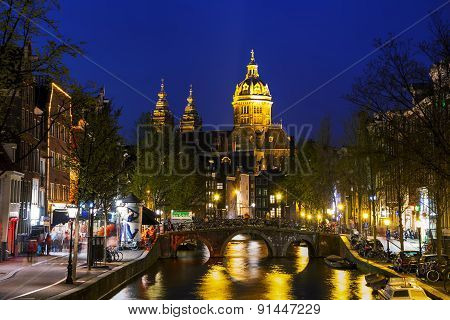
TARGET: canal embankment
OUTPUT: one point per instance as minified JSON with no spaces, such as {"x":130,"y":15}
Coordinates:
{"x":369,"y":266}
{"x":108,"y":282}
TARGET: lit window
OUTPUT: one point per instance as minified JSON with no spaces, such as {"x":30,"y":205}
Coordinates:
{"x":272,"y":198}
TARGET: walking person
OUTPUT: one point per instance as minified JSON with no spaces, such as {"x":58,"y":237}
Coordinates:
{"x":48,"y":243}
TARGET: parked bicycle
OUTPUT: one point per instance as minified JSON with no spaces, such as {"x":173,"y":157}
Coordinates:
{"x":113,"y":254}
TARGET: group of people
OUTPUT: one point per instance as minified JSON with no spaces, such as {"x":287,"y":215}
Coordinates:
{"x":40,"y":246}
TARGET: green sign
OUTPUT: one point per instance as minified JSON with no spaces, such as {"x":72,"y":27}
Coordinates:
{"x":181,"y":214}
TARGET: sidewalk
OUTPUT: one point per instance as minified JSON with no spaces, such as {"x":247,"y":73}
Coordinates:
{"x":45,"y":277}
{"x":394,"y":245}
{"x":437,"y":289}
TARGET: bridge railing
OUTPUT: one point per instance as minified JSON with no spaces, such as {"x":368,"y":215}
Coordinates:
{"x":254,"y":223}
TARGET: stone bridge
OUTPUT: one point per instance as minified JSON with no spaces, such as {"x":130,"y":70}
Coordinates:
{"x":277,"y":240}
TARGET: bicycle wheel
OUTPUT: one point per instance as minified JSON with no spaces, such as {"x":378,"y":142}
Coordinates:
{"x":119,"y":256}
{"x":109,"y":257}
{"x":433,"y":276}
{"x":447,"y":281}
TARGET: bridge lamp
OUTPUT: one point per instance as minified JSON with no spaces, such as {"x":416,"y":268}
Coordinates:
{"x":216,"y":197}
{"x":340,"y":207}
{"x":279,"y":196}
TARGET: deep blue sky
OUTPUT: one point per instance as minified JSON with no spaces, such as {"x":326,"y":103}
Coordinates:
{"x":298,"y":45}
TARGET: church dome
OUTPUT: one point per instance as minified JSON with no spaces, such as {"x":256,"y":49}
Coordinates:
{"x":252,"y":84}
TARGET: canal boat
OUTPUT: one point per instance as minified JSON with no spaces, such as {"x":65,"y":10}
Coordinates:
{"x":339,"y":262}
{"x":402,"y":289}
{"x":376,"y":281}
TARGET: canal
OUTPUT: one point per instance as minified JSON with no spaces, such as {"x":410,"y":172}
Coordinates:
{"x":246,"y":272}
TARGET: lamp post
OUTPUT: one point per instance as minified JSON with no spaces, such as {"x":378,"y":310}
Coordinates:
{"x":340,"y":207}
{"x":72,"y":214}
{"x":365,"y":216}
{"x":387,"y":223}
{"x":216,"y":198}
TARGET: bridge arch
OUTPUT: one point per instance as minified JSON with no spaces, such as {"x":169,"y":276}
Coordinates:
{"x":258,"y":233}
{"x":179,"y":239}
{"x":299,"y":238}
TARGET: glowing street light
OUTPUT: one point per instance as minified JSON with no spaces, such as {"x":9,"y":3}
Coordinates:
{"x":309,"y":216}
{"x":279,"y":196}
{"x":216,"y":197}
{"x":340,"y":207}
{"x":365,"y":216}
{"x":319,"y":217}
{"x":387,"y":222}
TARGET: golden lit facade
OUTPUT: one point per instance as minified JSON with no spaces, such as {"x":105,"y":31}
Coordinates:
{"x":162,"y":116}
{"x":191,"y":120}
{"x":253,"y":128}
{"x":252,"y":102}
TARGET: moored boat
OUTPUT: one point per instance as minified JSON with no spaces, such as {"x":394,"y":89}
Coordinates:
{"x":339,"y":262}
{"x":376,"y":281}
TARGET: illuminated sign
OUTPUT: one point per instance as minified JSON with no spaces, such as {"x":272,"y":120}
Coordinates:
{"x":181,"y":215}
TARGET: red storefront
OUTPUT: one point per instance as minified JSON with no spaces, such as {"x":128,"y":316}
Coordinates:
{"x":12,"y":231}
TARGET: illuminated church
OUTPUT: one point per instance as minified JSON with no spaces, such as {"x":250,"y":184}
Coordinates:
{"x":253,"y":149}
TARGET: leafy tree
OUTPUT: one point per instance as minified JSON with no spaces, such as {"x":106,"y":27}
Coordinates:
{"x":411,"y":81}
{"x":22,"y":21}
{"x":96,"y":155}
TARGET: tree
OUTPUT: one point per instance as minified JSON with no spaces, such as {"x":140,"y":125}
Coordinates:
{"x":167,"y":173}
{"x":412,"y":81}
{"x":21,"y":21}
{"x":96,"y":156}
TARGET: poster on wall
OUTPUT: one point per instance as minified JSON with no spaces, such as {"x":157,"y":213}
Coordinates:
{"x":130,"y":224}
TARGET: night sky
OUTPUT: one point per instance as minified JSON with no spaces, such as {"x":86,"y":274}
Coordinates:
{"x":298,"y":46}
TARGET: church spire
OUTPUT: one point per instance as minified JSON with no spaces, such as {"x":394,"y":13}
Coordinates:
{"x":190,"y":99}
{"x":252,"y":67}
{"x":190,"y":120}
{"x":162,"y":116}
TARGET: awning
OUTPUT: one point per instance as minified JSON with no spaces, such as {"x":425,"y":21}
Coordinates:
{"x":131,"y":198}
{"x":148,"y":217}
{"x":60,"y":217}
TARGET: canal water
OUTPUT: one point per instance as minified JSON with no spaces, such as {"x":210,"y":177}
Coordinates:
{"x":246,"y":272}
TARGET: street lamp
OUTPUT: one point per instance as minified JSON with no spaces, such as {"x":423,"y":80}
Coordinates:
{"x":216,"y":198}
{"x":279,"y":196}
{"x":387,"y":223}
{"x":72,"y":215}
{"x":340,"y":207}
{"x":365,"y":217}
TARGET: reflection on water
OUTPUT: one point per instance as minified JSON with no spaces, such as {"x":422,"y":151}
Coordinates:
{"x":246,"y":273}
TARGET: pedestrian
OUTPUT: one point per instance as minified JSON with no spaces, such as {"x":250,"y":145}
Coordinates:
{"x":48,"y":243}
{"x":29,"y":251}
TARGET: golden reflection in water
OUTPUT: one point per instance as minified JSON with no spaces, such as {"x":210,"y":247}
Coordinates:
{"x":364,"y":292}
{"x":278,"y":285}
{"x":341,"y":285}
{"x":215,"y":285}
{"x":242,"y":259}
{"x":154,"y":288}
{"x":301,"y":258}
